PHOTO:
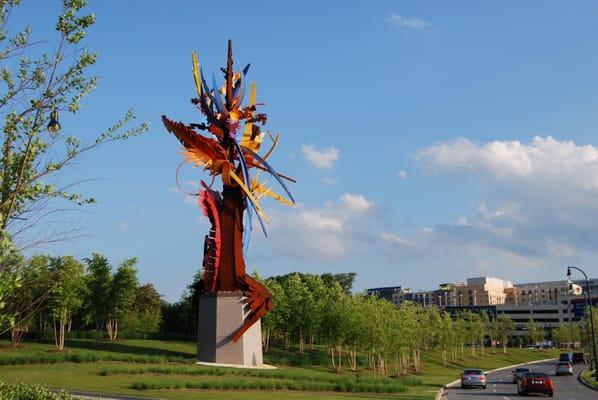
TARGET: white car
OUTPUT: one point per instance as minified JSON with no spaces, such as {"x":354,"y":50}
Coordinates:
{"x":563,"y":368}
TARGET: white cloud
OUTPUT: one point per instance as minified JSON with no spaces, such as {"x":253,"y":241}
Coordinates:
{"x":329,"y":181}
{"x":319,"y":220}
{"x":356,"y":203}
{"x":462,"y":221}
{"x":327,"y":233}
{"x":324,"y":158}
{"x":393,"y":239}
{"x":402,"y":174}
{"x":123,"y":226}
{"x":544,"y":160}
{"x":538,"y":199}
{"x":404,"y":22}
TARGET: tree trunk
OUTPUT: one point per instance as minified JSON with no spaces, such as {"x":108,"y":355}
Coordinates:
{"x":266,"y":340}
{"x":352,"y":357}
{"x":62,"y":330}
{"x":17,"y":334}
{"x":55,"y":332}
{"x":332,"y":358}
{"x":301,"y":344}
{"x":286,"y":341}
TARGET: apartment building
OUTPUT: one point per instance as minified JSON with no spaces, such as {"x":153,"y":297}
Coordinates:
{"x":551,"y":303}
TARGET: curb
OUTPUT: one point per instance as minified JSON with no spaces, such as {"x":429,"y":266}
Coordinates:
{"x":583,"y":382}
{"x":442,"y":391}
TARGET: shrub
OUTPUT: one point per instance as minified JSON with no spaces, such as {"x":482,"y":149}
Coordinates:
{"x":23,"y":391}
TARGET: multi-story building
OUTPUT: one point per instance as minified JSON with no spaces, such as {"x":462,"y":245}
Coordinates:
{"x":385,"y":293}
{"x":550,"y":292}
{"x":551,"y":304}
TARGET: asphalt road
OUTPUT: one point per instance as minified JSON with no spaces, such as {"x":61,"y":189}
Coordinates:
{"x":500,"y":386}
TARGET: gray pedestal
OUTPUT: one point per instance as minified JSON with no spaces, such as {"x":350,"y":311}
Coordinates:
{"x":220,"y":316}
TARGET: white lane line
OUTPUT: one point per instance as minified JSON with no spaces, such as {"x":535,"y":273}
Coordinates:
{"x":505,"y":398}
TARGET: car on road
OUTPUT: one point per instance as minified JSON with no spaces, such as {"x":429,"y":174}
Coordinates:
{"x":518,"y":373}
{"x":473,"y":377}
{"x":566,"y":357}
{"x":535,"y":382}
{"x":579,"y":358}
{"x":564,"y":368}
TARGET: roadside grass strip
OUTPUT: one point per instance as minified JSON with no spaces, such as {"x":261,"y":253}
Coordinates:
{"x":55,"y":358}
{"x":347,"y":385}
{"x":312,"y":376}
{"x":587,"y":377}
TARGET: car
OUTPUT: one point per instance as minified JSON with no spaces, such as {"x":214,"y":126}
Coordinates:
{"x":579,"y":358}
{"x":535,"y":382}
{"x":473,"y":377}
{"x":564,"y":368}
{"x":566,"y":357}
{"x":518,"y":373}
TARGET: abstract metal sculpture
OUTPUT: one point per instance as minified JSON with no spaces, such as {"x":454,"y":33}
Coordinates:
{"x":232,"y":155}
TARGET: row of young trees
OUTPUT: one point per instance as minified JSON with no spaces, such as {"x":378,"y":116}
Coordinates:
{"x":52,"y":292}
{"x":310,"y":310}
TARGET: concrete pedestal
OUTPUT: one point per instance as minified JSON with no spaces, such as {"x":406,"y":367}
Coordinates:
{"x":220,"y":316}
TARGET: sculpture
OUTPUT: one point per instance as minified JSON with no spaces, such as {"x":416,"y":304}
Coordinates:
{"x":231,"y":154}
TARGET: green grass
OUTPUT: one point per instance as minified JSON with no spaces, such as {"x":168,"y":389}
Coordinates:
{"x":588,"y":377}
{"x":164,"y":369}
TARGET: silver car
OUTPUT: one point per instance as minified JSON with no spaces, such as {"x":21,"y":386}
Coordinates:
{"x":473,"y":378}
{"x":564,"y":368}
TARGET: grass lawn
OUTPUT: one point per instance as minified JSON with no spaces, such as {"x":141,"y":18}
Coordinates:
{"x":166,"y":369}
{"x":588,"y":377}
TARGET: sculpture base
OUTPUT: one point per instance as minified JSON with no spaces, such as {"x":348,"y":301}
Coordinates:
{"x":220,"y":316}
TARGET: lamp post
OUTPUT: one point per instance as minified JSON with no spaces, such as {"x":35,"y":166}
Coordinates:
{"x":589,"y":303}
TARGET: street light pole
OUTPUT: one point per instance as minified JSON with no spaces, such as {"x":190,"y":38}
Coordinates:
{"x":589,"y":302}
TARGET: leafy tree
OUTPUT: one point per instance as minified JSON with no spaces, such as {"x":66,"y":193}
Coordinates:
{"x":99,"y":283}
{"x":460,"y":328}
{"x":562,"y":335}
{"x":484,"y":329}
{"x":67,"y":294}
{"x":273,"y":322}
{"x":122,"y":295}
{"x":505,"y":327}
{"x":334,"y":323}
{"x":145,"y":314}
{"x":10,"y":262}
{"x":345,"y":280}
{"x":533,"y":332}
{"x":446,"y":337}
{"x":31,"y":295}
{"x":40,"y":79}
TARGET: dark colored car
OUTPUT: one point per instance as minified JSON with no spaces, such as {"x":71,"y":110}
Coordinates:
{"x":535,"y":382}
{"x":518,"y":373}
{"x":579,"y":358}
{"x":566,"y":357}
{"x":473,"y":378}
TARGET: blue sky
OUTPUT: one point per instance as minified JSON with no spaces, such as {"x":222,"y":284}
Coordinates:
{"x":432,"y":141}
